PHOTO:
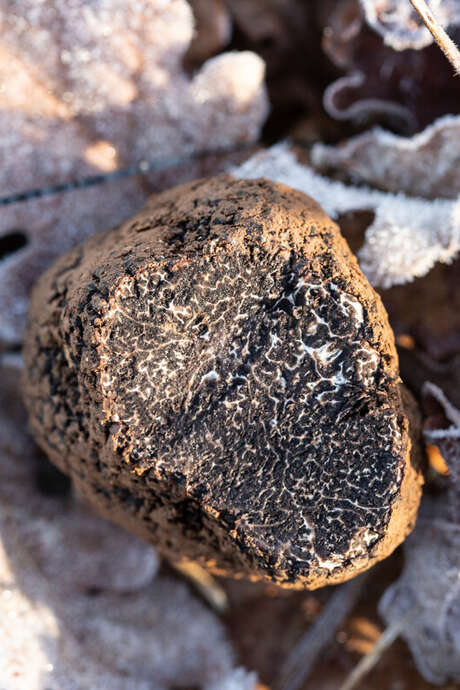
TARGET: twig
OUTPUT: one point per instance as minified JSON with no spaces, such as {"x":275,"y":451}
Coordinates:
{"x":368,"y":661}
{"x":446,"y":44}
{"x":305,"y":654}
{"x":140,"y":168}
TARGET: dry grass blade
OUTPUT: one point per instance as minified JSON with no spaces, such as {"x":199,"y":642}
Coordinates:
{"x":305,"y":654}
{"x":207,"y":586}
{"x":446,"y":44}
{"x":373,"y":657}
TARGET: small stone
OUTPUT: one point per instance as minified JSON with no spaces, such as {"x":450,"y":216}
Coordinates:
{"x":218,"y":376}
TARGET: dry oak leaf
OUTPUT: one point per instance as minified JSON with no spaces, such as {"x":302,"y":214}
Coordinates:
{"x":400,"y":25}
{"x":425,"y":165}
{"x":116,"y":69}
{"x":407,"y":235}
{"x":88,"y":87}
{"x":409,"y":88}
{"x":428,"y":590}
{"x":79,"y":604}
{"x":448,"y":441}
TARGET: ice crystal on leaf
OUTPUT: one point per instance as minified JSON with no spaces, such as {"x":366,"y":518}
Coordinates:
{"x":428,"y":591}
{"x":401,"y":27}
{"x":407,"y":235}
{"x":425,"y":165}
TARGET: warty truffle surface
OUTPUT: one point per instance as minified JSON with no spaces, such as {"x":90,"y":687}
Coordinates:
{"x":218,"y":376}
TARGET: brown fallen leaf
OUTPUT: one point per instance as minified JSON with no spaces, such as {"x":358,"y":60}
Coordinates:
{"x":407,"y":89}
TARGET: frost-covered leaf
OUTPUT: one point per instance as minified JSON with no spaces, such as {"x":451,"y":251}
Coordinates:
{"x":408,"y":89}
{"x":400,"y":25}
{"x":239,"y":679}
{"x":115,"y":69}
{"x":80,"y":607}
{"x":407,"y":235}
{"x":429,"y":587}
{"x":447,"y":439}
{"x":426,"y":165}
{"x":90,"y":87}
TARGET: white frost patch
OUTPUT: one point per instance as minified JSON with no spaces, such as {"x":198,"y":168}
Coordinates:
{"x":210,"y":376}
{"x":355,"y":306}
{"x":325,"y":354}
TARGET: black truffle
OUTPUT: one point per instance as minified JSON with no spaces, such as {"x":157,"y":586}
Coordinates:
{"x":218,"y":376}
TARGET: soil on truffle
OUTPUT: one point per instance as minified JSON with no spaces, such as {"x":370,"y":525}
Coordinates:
{"x":218,"y":376}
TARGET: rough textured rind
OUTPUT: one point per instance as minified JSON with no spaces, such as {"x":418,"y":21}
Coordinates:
{"x":218,"y":376}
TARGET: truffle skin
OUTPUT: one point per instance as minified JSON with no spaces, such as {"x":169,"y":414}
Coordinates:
{"x":218,"y":376}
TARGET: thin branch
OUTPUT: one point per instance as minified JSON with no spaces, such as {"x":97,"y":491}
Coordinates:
{"x":305,"y":654}
{"x":446,"y":44}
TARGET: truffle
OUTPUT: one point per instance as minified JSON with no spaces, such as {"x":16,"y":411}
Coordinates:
{"x":218,"y":376}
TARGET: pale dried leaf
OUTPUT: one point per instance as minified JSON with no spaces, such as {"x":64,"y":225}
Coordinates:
{"x":401,"y":27}
{"x":430,"y":585}
{"x":239,"y":679}
{"x":425,"y":165}
{"x":405,"y":239}
{"x":406,"y":90}
{"x":430,"y":582}
{"x":91,"y":87}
